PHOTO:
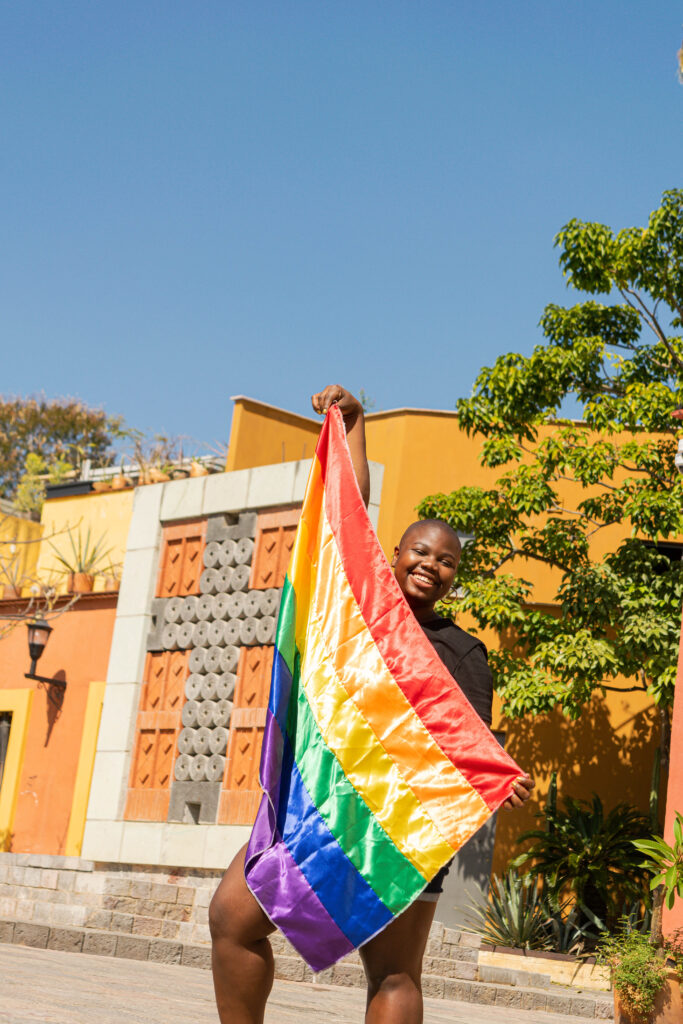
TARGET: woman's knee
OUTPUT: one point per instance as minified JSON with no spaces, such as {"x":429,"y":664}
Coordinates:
{"x":397,"y":984}
{"x":234,"y":914}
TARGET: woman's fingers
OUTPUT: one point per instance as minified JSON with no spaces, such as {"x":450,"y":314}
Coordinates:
{"x":522,"y":788}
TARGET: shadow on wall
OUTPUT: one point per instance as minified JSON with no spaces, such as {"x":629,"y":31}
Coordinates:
{"x":589,"y":755}
{"x":55,"y":700}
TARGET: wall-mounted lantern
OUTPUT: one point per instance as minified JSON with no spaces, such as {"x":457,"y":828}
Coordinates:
{"x":38,"y":636}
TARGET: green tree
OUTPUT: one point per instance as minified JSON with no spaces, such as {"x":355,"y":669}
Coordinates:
{"x":60,"y":430}
{"x":617,"y":619}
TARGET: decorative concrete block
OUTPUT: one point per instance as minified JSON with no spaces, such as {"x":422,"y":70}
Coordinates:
{"x":119,"y":711}
{"x":48,"y":878}
{"x":128,"y":649}
{"x":225,"y":492}
{"x":137,"y":581}
{"x":301,"y":474}
{"x":271,"y":485}
{"x":145,"y":528}
{"x":183,"y":499}
{"x":108,"y":779}
{"x":102,"y":840}
{"x":204,"y":795}
{"x":182,"y":845}
{"x":217,"y":527}
{"x":221,"y":844}
{"x":141,"y":843}
{"x":376,"y":478}
{"x":7,"y":931}
{"x":373,"y":514}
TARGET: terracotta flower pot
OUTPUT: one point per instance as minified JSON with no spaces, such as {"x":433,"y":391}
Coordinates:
{"x":196,"y":469}
{"x":80,"y":583}
{"x":111,"y":584}
{"x":157,"y":476}
{"x":11,"y":593}
{"x":120,"y":482}
{"x":101,"y":485}
{"x":668,"y":1008}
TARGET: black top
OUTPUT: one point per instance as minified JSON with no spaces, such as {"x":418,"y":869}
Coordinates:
{"x":465,"y":658}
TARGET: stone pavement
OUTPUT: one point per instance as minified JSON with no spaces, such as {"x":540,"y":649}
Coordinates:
{"x":42,"y":986}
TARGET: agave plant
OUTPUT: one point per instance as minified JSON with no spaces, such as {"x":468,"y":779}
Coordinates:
{"x":86,"y":553}
{"x":514,"y":913}
{"x":589,"y":854}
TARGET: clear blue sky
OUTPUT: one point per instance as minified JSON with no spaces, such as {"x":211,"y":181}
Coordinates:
{"x":211,"y":198}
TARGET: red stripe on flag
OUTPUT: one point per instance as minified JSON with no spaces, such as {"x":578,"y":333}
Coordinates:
{"x":408,"y":654}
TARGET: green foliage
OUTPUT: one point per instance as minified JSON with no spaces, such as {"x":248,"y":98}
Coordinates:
{"x":613,"y":621}
{"x":665,"y":862}
{"x":585,"y":852}
{"x":30,"y":493}
{"x":517,"y":913}
{"x":637,"y":972}
{"x":514,"y":913}
{"x":86,"y":554}
{"x":54,"y":430}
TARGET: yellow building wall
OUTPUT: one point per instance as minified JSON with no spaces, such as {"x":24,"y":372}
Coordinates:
{"x":19,"y":548}
{"x":107,"y":515}
{"x":610,"y":749}
{"x":262,"y":434}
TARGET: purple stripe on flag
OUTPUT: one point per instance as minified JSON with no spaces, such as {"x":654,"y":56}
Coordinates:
{"x":278,"y":884}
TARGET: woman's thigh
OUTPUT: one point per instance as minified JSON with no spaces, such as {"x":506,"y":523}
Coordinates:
{"x":234,"y":911}
{"x":399,"y":949}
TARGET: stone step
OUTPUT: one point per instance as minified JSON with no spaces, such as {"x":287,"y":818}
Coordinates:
{"x":490,"y":985}
{"x":511,"y":989}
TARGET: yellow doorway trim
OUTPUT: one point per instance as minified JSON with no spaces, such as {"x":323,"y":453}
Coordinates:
{"x":18,"y":702}
{"x":86,"y":762}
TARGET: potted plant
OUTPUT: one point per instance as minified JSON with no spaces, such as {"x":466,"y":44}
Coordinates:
{"x":112,"y":578}
{"x":647,"y":968}
{"x":80,"y":564}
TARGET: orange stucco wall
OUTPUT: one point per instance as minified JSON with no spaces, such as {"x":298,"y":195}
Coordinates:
{"x":79,"y":647}
{"x":673,"y":919}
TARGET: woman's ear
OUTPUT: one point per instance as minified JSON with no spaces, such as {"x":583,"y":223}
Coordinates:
{"x":393,"y":560}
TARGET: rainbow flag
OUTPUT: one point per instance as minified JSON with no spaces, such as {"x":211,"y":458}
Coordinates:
{"x":375,"y":767}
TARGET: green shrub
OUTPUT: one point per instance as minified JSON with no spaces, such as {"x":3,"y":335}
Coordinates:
{"x":637,"y":972}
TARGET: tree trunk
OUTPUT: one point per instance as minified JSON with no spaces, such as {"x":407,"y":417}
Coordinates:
{"x":656,"y":935}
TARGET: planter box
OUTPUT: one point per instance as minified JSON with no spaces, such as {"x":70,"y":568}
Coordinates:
{"x":561,"y":968}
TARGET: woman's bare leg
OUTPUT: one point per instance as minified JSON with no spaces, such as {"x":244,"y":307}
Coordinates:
{"x":393,"y":967}
{"x":241,"y":957}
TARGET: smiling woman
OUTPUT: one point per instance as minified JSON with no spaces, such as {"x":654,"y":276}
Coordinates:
{"x":425,"y":563}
